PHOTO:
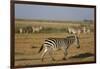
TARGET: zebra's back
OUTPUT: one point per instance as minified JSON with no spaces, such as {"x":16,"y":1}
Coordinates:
{"x":58,"y":43}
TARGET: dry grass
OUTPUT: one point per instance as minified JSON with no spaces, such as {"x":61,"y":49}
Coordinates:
{"x":47,"y":24}
{"x":28,"y":45}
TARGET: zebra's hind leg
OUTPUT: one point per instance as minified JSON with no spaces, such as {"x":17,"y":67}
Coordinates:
{"x":43,"y":54}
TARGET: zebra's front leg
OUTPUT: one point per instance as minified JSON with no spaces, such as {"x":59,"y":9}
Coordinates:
{"x":65,"y":54}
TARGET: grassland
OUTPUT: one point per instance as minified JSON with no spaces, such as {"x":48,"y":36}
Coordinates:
{"x":28,"y":45}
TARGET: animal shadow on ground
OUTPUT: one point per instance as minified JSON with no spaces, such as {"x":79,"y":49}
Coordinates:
{"x":79,"y":56}
{"x":82,"y":56}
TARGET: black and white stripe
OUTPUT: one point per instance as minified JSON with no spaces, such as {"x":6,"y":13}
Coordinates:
{"x":53,"y":44}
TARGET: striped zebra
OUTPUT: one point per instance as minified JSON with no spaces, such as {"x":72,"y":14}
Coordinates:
{"x":53,"y":44}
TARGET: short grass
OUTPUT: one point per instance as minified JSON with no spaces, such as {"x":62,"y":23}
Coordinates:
{"x":28,"y":45}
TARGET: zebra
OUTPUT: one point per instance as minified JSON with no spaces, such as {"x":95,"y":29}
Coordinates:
{"x":76,"y":31}
{"x":54,"y":44}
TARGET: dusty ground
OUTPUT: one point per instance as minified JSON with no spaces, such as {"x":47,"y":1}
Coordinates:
{"x":27,"y":46}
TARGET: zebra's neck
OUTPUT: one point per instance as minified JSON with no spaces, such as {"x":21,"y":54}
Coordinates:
{"x":70,"y":40}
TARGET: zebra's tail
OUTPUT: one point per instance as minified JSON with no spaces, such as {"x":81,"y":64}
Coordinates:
{"x":40,"y":49}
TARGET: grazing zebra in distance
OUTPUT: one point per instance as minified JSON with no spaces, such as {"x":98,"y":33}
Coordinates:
{"x":53,"y":44}
{"x":74,"y":31}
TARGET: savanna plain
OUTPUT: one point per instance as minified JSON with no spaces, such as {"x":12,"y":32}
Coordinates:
{"x":27,"y":45}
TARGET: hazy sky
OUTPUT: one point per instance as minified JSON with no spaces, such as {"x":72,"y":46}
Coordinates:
{"x":27,"y":11}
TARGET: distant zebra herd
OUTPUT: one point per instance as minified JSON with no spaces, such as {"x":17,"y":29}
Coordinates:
{"x":53,"y":44}
{"x":33,"y":29}
{"x":28,"y":29}
{"x":78,"y":31}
